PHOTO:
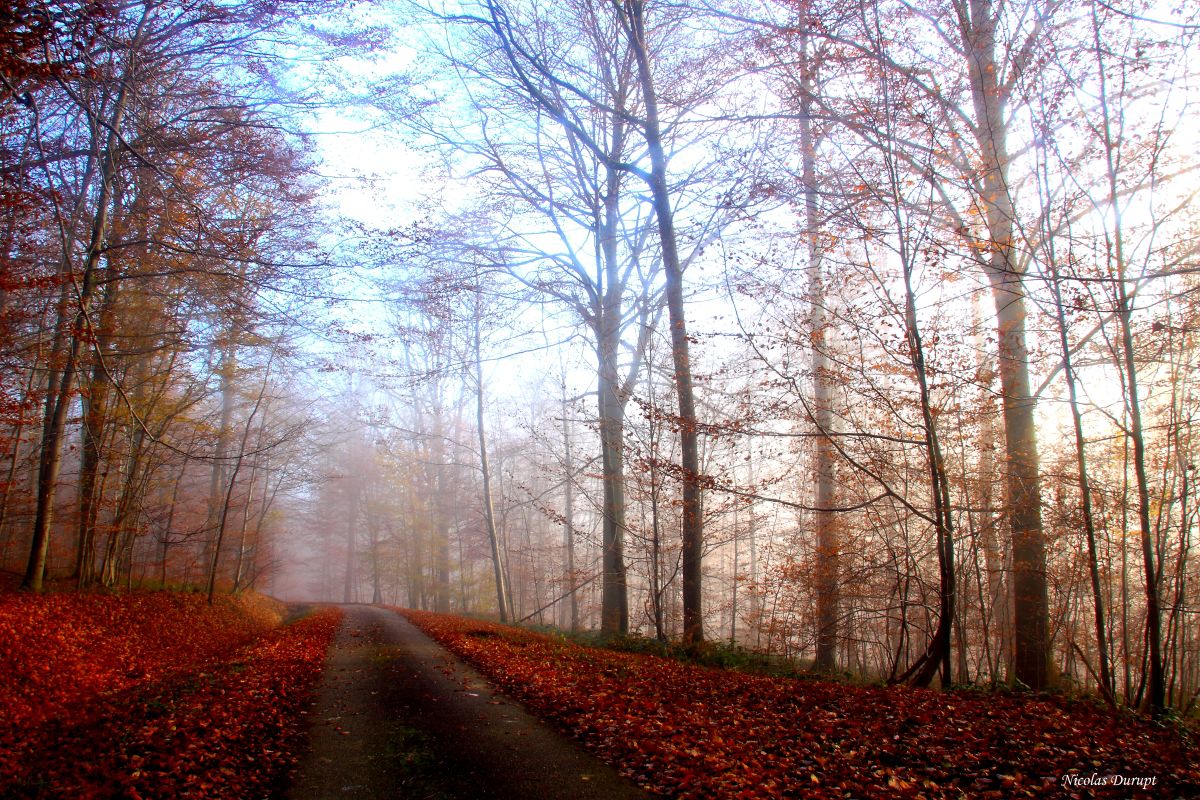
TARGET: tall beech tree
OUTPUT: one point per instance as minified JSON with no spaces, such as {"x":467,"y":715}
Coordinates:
{"x":974,"y":182}
{"x":823,"y":468}
{"x":633,"y":21}
{"x":579,"y":237}
{"x":555,"y":91}
{"x":992,"y":81}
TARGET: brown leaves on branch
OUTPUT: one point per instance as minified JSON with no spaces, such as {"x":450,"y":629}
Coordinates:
{"x":695,"y":732}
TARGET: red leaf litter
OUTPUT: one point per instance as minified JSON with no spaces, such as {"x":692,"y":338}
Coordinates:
{"x":152,"y":695}
{"x":696,"y":732}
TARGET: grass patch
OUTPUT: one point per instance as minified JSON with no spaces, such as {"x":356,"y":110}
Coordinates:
{"x":719,"y":655}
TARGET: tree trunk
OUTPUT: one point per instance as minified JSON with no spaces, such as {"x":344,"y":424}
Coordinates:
{"x":243,"y":546}
{"x":92,"y":435}
{"x":611,"y":400}
{"x":228,"y":499}
{"x":977,"y":20}
{"x":937,"y":657}
{"x":569,"y":519}
{"x":58,"y":395}
{"x":120,"y":533}
{"x":227,"y":371}
{"x":825,"y":520}
{"x":657,"y":590}
{"x":489,"y":513}
{"x":614,"y":593}
{"x":1156,"y":686}
{"x":689,"y":440}
{"x":376,"y":567}
{"x":348,"y":593}
{"x":998,"y":597}
{"x":1085,"y":494}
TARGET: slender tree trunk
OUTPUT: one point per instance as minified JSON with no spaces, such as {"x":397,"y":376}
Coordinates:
{"x":1156,"y":692}
{"x":569,"y":518}
{"x":1126,"y":642}
{"x":138,"y":474}
{"x":439,"y":503}
{"x":1085,"y":493}
{"x":228,"y":499}
{"x":825,"y":519}
{"x":489,"y":513}
{"x":92,"y":434}
{"x":351,"y":565}
{"x":937,"y":657}
{"x":611,"y":401}
{"x":756,"y":611}
{"x":657,"y":590}
{"x":376,"y":567}
{"x":689,"y":439}
{"x":121,"y":532}
{"x":1176,"y":624}
{"x":244,"y":527}
{"x":733,"y":601}
{"x":58,"y":396}
{"x":1156,"y":686}
{"x":227,"y":372}
{"x":166,"y":540}
{"x":977,"y":20}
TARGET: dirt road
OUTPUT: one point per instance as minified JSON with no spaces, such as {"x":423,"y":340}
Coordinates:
{"x":399,"y":717}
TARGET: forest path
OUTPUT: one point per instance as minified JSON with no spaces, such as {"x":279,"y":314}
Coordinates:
{"x":397,"y":716}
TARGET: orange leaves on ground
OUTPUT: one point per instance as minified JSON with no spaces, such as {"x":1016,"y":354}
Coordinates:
{"x":231,"y":732}
{"x":184,"y":713}
{"x":58,"y":651}
{"x":688,"y":731}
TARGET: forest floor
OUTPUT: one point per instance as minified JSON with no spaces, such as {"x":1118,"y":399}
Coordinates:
{"x":687,"y":731}
{"x":153,"y":694}
{"x":162,"y":695}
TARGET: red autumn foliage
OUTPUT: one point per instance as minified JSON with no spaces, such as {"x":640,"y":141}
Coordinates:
{"x":158,"y":695}
{"x":696,"y":732}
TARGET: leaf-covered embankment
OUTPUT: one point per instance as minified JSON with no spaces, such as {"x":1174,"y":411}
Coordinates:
{"x":152,"y":695}
{"x":696,"y":732}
